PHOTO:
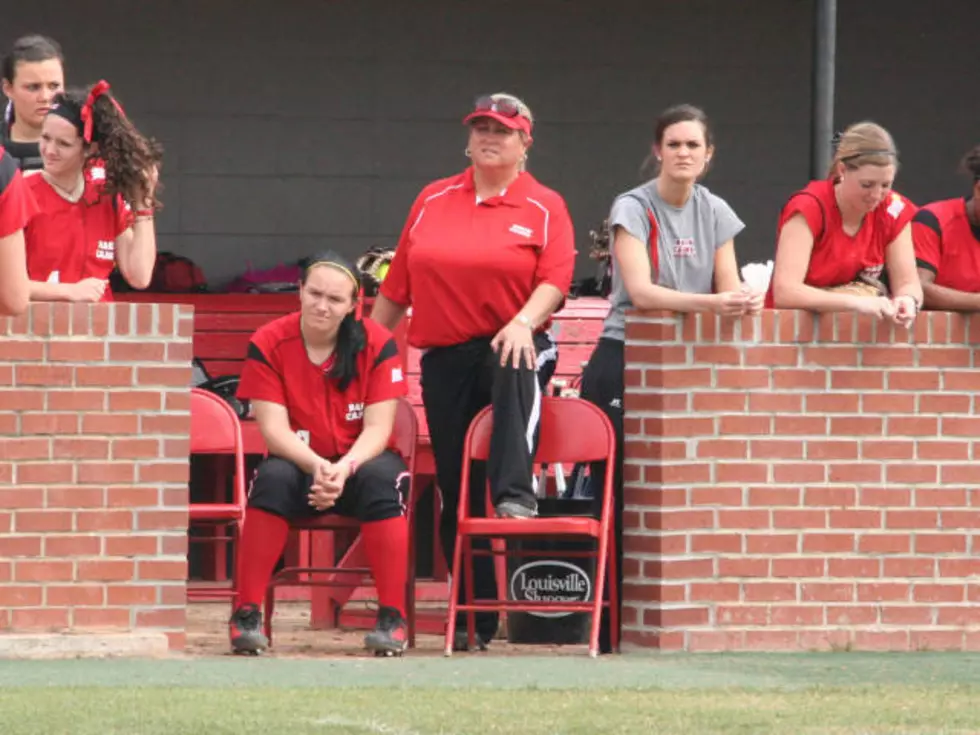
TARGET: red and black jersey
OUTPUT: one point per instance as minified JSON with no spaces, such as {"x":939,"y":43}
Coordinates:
{"x":948,"y":244}
{"x":279,"y":370}
{"x":467,"y":267}
{"x":68,"y":242}
{"x":839,"y":258}
{"x":16,"y":203}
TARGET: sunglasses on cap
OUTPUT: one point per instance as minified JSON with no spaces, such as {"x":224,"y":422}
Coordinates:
{"x":505,"y":107}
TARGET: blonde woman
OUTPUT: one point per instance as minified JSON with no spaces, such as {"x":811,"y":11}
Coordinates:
{"x":845,"y":242}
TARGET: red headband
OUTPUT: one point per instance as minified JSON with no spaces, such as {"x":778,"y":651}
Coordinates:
{"x":101,"y":87}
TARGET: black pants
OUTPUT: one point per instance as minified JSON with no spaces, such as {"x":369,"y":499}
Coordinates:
{"x":457,"y":383}
{"x":375,"y":492}
{"x":603,"y":385}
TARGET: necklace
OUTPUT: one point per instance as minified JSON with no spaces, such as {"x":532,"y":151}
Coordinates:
{"x":72,"y":195}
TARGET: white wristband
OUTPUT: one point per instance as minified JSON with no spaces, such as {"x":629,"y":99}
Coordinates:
{"x":521,"y":319}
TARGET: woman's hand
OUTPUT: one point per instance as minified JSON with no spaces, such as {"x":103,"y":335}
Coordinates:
{"x":515,"y":342}
{"x":731,"y":303}
{"x":906,"y":309}
{"x":152,"y":175}
{"x":323,"y":492}
{"x":756,"y":299}
{"x":880,"y":307}
{"x":87,"y":290}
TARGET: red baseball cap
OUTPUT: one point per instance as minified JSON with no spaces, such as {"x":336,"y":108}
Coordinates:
{"x":505,"y":110}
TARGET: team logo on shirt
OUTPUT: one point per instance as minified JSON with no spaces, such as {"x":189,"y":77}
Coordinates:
{"x":355,"y":411}
{"x":106,"y":250}
{"x":396,"y":375}
{"x":97,"y":173}
{"x":521,"y":230}
{"x":684,"y":247}
{"x":896,"y":207}
{"x":873,"y":271}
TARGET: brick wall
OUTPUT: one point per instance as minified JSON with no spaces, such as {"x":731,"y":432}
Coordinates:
{"x":94,"y":431}
{"x":796,"y":482}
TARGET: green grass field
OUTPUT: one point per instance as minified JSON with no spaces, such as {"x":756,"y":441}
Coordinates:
{"x":845,"y":694}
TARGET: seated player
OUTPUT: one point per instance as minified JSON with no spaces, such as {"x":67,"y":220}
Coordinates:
{"x":845,"y":242}
{"x":323,"y":385}
{"x":947,"y":246}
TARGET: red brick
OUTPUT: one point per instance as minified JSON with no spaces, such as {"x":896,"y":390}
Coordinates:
{"x":676,"y":520}
{"x":21,"y":400}
{"x":43,"y":473}
{"x":775,"y":449}
{"x":742,"y":378}
{"x":955,"y":450}
{"x":21,"y":498}
{"x":167,"y":570}
{"x":893,"y":355}
{"x":885,"y":640}
{"x":106,"y":570}
{"x":772,"y":355}
{"x":43,"y":571}
{"x":110,"y":423}
{"x":940,"y":543}
{"x":796,"y":615}
{"x":769,"y":591}
{"x":944,"y":403}
{"x":958,"y":616}
{"x":652,"y":331}
{"x":888,"y":403}
{"x":828,"y":542}
{"x":714,"y":641}
{"x":820,"y":403}
{"x":73,"y":497}
{"x":22,"y":595}
{"x":14,"y":546}
{"x":799,"y":518}
{"x":885,"y":543}
{"x":820,"y":450}
{"x":177,"y":544}
{"x":176,"y":448}
{"x":853,"y":567}
{"x":676,"y":617}
{"x":857,"y":379}
{"x":179,"y":424}
{"x":723,"y":448}
{"x":137,"y":351}
{"x":42,"y":375}
{"x":42,"y":520}
{"x":102,"y":473}
{"x":659,"y":355}
{"x":37,"y":618}
{"x":755,"y":518}
{"x":926,"y":592}
{"x":913,"y":519}
{"x":856,"y":426}
{"x":940,"y":497}
{"x":80,"y":449}
{"x":131,"y":594}
{"x":716,"y":543}
{"x":812,"y":425}
{"x":914,"y":380}
{"x":74,"y":594}
{"x":829,"y":496}
{"x":150,"y":472}
{"x":781,"y":403}
{"x":830,"y":355}
{"x":886,"y":496}
{"x":163,"y":376}
{"x":137,"y":449}
{"x":135,"y":400}
{"x":716,"y":495}
{"x":653,"y":592}
{"x":74,"y":545}
{"x":956,"y":473}
{"x":905,"y":615}
{"x":682,"y":426}
{"x":966,"y":380}
{"x":855,"y":518}
{"x":887,"y":449}
{"x":796,"y":568}
{"x":49,"y":423}
{"x":132,"y":497}
{"x":637,"y":449}
{"x":76,"y":351}
{"x":774,"y":496}
{"x":21,"y":449}
{"x":799,"y":473}
{"x":718,"y":402}
{"x":936,"y":640}
{"x":673,"y":474}
{"x":944,"y":356}
{"x":960,"y":426}
{"x":963,"y":567}
{"x":909,"y":567}
{"x":144,"y":318}
{"x":856,"y":472}
{"x":742,"y":614}
{"x":109,"y":376}
{"x":883,"y":591}
{"x":797,"y":379}
{"x":179,"y":352}
{"x":768,"y":543}
{"x":105,"y":520}
{"x":21,"y":351}
{"x":95,"y":618}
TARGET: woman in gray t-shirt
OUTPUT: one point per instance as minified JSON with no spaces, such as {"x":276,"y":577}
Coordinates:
{"x":673,"y":249}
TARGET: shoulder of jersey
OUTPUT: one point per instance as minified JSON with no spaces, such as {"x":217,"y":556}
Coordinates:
{"x":275,"y":331}
{"x":439,"y":185}
{"x":895,"y":204}
{"x":537,"y":190}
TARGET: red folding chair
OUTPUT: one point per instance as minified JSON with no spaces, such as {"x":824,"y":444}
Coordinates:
{"x":347,"y":574}
{"x":215,"y":430}
{"x":572,"y":430}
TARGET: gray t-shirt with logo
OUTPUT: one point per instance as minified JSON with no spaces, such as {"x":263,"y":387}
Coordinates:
{"x":687,"y":238}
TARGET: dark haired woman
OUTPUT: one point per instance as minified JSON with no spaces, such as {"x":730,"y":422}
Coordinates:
{"x":33,"y":73}
{"x":94,"y":215}
{"x":673,"y":249}
{"x":323,"y":386}
{"x":946,"y":235}
{"x":16,"y":208}
{"x":484,"y":260}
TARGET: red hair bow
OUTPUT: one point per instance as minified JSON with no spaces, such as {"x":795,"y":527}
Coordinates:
{"x":101,"y":87}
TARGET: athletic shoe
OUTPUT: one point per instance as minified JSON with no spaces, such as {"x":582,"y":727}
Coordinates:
{"x":245,"y":631}
{"x":390,"y":634}
{"x":511,"y":509}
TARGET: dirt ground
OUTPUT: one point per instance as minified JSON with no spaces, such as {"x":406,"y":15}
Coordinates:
{"x":207,"y":635}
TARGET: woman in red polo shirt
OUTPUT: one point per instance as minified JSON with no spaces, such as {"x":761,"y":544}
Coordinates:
{"x":845,"y":242}
{"x":947,"y":246}
{"x":96,"y":196}
{"x":323,"y":386}
{"x":484,"y":260}
{"x":16,"y":208}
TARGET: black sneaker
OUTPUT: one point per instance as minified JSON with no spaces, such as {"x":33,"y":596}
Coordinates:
{"x":461,"y":640}
{"x":390,"y":634}
{"x":245,"y":631}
